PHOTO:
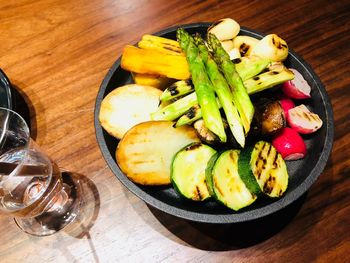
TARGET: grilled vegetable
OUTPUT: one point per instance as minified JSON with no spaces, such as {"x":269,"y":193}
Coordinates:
{"x":127,"y":106}
{"x":277,"y":74}
{"x":188,"y":171}
{"x":248,"y":67}
{"x":154,"y":62}
{"x":264,"y":164}
{"x":225,"y":29}
{"x":244,"y":44}
{"x":302,"y":120}
{"x":175,"y":109}
{"x":286,"y":104}
{"x":158,"y":82}
{"x":240,"y":96}
{"x":161,"y":44}
{"x":193,"y":114}
{"x":203,"y":87}
{"x":223,"y":92}
{"x":234,"y":54}
{"x":297,"y":88}
{"x":272,"y":47}
{"x":227,"y":45}
{"x":269,"y":117}
{"x":225,"y":183}
{"x":205,"y":135}
{"x":289,"y":144}
{"x":177,"y":89}
{"x":141,"y":153}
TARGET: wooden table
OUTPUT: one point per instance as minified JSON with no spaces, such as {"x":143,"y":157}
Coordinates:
{"x":57,"y":52}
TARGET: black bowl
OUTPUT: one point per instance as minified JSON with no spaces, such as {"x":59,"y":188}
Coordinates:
{"x":303,"y":173}
{"x":5,"y":91}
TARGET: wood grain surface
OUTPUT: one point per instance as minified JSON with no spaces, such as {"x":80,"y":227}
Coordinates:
{"x":57,"y":52}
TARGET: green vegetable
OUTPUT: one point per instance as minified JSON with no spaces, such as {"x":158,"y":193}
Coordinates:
{"x":223,"y":92}
{"x":188,"y":171}
{"x":239,"y":93}
{"x":277,"y":74}
{"x":175,"y":109}
{"x":224,"y":182}
{"x":193,"y":114}
{"x":248,"y":67}
{"x":263,"y":169}
{"x":203,"y":87}
{"x":176,"y":90}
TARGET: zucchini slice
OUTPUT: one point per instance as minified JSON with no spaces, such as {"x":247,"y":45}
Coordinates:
{"x":263,"y":166}
{"x":225,"y":182}
{"x":188,"y":171}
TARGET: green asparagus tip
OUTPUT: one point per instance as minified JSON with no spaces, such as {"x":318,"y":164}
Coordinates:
{"x":183,"y":38}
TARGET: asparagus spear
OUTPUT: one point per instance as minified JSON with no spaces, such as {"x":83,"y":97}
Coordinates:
{"x":223,"y":92}
{"x":240,"y":96}
{"x":203,"y":87}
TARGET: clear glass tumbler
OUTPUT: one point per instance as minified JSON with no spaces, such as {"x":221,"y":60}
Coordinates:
{"x":32,"y":188}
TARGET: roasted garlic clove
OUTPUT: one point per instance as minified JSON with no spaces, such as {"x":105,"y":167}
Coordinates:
{"x":245,"y":44}
{"x":272,"y":47}
{"x":225,"y":29}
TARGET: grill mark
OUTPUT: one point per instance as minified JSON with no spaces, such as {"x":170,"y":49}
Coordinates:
{"x":173,"y":90}
{"x":307,"y":116}
{"x":243,"y":49}
{"x":199,"y":193}
{"x":269,"y":184}
{"x":217,"y":186}
{"x":274,"y":163}
{"x":237,"y":60}
{"x":193,"y":146}
{"x":171,"y":48}
{"x":191,"y":113}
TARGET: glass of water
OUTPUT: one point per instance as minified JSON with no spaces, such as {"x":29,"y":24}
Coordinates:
{"x":32,"y":188}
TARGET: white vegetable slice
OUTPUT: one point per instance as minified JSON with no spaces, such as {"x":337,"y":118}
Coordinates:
{"x":245,"y":44}
{"x":225,"y":29}
{"x":146,"y":151}
{"x":127,"y":106}
{"x":272,"y":47}
{"x":302,"y":120}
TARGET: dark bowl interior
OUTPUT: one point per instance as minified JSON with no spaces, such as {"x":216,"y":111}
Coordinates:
{"x":303,"y":173}
{"x":5,"y":91}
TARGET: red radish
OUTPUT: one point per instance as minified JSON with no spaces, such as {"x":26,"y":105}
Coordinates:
{"x":286,"y":104}
{"x":289,"y":144}
{"x":297,"y":88}
{"x":302,"y":120}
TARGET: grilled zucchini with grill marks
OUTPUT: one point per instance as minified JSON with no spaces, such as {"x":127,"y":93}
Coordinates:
{"x":225,"y":183}
{"x":263,"y":165}
{"x":188,"y":171}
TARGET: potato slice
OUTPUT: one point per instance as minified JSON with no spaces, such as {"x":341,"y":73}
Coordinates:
{"x":127,"y":106}
{"x":146,"y":151}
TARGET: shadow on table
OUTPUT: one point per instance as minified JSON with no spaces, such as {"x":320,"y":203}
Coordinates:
{"x":89,"y":207}
{"x":220,"y":237}
{"x":23,"y":106}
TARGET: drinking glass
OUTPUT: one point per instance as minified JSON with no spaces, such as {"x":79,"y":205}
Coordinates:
{"x":32,"y":188}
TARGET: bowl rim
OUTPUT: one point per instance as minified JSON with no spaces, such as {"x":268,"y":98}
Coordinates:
{"x":6,"y":84}
{"x":244,"y":216}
